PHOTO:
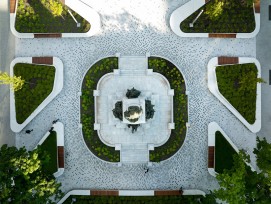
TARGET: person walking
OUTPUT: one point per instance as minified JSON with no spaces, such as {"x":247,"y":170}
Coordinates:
{"x":28,"y":131}
{"x":55,"y":121}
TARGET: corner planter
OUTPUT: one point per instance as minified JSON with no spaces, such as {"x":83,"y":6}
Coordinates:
{"x":190,"y":7}
{"x":78,"y":6}
{"x":213,"y":127}
{"x":59,"y":128}
{"x":58,"y":85}
{"x":213,"y":87}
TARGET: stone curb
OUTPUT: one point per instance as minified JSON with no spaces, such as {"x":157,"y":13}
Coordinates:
{"x":58,"y":85}
{"x":213,"y":87}
{"x":190,"y":7}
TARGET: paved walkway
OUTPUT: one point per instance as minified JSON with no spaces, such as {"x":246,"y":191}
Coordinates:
{"x":263,"y":55}
{"x":7,"y":50}
{"x":134,"y":28}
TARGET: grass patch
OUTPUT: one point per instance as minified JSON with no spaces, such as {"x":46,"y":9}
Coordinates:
{"x":177,"y":83}
{"x":33,"y":17}
{"x":220,"y":16}
{"x":50,"y":147}
{"x":91,"y":137}
{"x":139,"y":199}
{"x":223,"y":153}
{"x":237,"y":83}
{"x":39,"y":82}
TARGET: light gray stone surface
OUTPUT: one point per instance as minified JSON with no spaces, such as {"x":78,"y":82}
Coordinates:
{"x":134,"y":28}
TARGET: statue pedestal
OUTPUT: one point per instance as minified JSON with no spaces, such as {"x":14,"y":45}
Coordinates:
{"x":139,"y":102}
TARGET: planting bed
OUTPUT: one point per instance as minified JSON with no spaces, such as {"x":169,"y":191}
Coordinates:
{"x":177,"y":83}
{"x":36,"y":16}
{"x":220,"y":16}
{"x":223,"y":153}
{"x":39,"y":81}
{"x":91,"y":137}
{"x":237,"y":83}
{"x":50,"y":146}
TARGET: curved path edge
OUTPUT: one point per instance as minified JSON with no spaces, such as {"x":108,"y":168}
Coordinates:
{"x":181,"y":13}
{"x":213,"y":87}
{"x":58,"y":85}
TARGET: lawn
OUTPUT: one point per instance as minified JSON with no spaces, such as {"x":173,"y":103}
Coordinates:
{"x":91,"y":137}
{"x":237,"y":83}
{"x":39,"y":82}
{"x":223,"y":153}
{"x":176,"y":80}
{"x":220,"y":16}
{"x":50,"y":146}
{"x":139,"y":200}
{"x":37,"y":16}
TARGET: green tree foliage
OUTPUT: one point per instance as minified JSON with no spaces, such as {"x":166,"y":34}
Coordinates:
{"x":249,"y":81}
{"x":23,"y":179}
{"x":132,"y":93}
{"x":263,"y":155}
{"x":54,"y":6}
{"x":15,"y":82}
{"x":242,"y":185}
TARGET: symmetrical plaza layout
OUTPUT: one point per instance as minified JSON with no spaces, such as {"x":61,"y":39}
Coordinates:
{"x":146,"y":97}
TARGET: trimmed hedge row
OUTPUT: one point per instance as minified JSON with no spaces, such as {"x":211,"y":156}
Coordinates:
{"x":91,"y":137}
{"x":176,"y":80}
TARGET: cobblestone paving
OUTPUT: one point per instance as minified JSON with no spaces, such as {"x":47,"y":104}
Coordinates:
{"x":132,"y":31}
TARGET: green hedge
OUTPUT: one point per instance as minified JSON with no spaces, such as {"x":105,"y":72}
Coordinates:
{"x":91,"y":137}
{"x":39,"y":82}
{"x":177,"y":83}
{"x":39,"y":16}
{"x":140,"y":200}
{"x":50,"y":147}
{"x":223,"y":153}
{"x":241,"y":96}
{"x":219,"y":16}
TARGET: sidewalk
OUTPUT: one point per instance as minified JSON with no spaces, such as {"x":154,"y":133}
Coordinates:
{"x":263,"y":47}
{"x":7,"y":49}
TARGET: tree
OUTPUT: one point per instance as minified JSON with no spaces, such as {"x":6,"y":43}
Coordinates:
{"x":15,"y":82}
{"x":242,"y":185}
{"x":249,"y":81}
{"x":23,"y":178}
{"x":263,"y":155}
{"x":232,"y":183}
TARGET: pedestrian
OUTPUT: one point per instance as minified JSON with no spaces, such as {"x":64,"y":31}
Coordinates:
{"x":146,"y":170}
{"x":51,"y":129}
{"x":55,"y":121}
{"x":28,"y":131}
{"x":181,"y":191}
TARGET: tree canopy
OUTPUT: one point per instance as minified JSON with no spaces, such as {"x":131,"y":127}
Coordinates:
{"x":15,"y":82}
{"x":23,"y":179}
{"x":242,"y":185}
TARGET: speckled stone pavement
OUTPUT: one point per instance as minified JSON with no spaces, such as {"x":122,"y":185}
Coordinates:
{"x":134,"y":28}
